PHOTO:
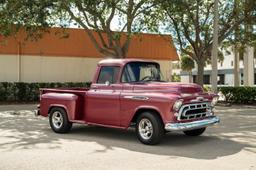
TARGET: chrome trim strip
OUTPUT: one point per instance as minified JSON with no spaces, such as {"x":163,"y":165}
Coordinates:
{"x":192,"y":125}
{"x":136,"y":97}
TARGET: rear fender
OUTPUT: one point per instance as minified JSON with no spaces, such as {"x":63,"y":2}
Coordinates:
{"x":59,"y":106}
{"x":65,"y":101}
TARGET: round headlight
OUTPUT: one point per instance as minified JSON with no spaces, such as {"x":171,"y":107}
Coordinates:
{"x":177,"y":105}
{"x":214,"y":101}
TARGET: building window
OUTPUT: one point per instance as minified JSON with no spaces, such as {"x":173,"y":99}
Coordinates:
{"x":207,"y":79}
{"x":194,"y":79}
{"x":232,"y":63}
{"x":221,"y":79}
{"x":254,"y":78}
{"x":242,"y":79}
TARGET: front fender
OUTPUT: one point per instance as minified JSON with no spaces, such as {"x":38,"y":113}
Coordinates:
{"x":140,"y":109}
{"x":130,"y":107}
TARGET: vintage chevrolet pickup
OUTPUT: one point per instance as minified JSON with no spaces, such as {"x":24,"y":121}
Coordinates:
{"x":131,"y":93}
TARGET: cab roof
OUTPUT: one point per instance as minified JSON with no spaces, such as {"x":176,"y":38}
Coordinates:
{"x":122,"y":61}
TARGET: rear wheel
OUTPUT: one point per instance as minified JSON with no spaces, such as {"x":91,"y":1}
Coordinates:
{"x":195,"y":132}
{"x":149,"y":128}
{"x":59,"y":120}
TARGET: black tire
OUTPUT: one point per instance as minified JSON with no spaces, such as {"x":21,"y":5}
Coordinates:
{"x":63,"y":127}
{"x":157,"y":128}
{"x":195,"y":132}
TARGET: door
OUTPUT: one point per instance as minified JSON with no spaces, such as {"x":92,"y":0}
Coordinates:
{"x":103,"y":99}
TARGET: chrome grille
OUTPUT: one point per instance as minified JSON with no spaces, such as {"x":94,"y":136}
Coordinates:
{"x":194,"y":111}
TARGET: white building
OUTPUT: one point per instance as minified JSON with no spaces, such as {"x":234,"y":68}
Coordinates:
{"x":225,"y":71}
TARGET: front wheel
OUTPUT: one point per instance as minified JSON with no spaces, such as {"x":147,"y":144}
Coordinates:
{"x":149,"y":128}
{"x":58,"y":120}
{"x":195,"y":132}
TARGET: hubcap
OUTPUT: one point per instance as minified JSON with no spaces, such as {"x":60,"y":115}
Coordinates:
{"x":57,"y":119}
{"x":145,"y":129}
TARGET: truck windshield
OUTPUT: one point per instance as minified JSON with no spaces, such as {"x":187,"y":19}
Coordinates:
{"x":141,"y":72}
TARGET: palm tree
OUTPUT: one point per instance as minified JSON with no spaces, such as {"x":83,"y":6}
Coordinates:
{"x":187,"y":64}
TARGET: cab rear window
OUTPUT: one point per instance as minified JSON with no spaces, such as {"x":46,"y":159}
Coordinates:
{"x":108,"y":74}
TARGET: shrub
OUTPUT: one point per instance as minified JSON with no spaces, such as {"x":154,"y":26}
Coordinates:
{"x":243,"y":94}
{"x":207,"y":88}
{"x":29,"y":92}
{"x":175,"y":78}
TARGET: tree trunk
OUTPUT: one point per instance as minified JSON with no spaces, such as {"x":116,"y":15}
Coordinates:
{"x":248,"y":66}
{"x":214,"y":57}
{"x":118,"y":53}
{"x":200,"y":73}
{"x":249,"y":51}
{"x":190,"y":77}
{"x":236,"y":67}
{"x":236,"y":50}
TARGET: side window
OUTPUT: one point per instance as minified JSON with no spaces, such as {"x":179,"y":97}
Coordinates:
{"x":108,"y":73}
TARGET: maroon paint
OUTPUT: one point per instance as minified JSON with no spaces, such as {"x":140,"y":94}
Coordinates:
{"x":111,"y":106}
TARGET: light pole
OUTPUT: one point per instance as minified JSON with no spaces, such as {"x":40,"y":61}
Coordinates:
{"x":214,"y":57}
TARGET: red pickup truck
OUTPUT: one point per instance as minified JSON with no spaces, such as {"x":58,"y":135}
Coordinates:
{"x":131,"y":92}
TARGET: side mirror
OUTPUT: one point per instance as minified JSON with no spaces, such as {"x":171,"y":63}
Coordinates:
{"x":107,"y":83}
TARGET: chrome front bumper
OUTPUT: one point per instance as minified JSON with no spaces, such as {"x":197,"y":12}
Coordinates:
{"x":192,"y":125}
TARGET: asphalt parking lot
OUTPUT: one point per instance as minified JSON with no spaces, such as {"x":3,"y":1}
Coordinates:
{"x":27,"y":142}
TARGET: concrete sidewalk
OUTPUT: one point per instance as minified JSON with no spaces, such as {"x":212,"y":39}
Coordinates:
{"x":17,"y":107}
{"x":27,"y":142}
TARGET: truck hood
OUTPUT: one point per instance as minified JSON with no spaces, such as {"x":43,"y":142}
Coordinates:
{"x":180,"y":88}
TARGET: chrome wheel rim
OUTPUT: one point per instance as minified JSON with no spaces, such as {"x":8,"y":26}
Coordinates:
{"x":145,"y":129}
{"x":57,"y":119}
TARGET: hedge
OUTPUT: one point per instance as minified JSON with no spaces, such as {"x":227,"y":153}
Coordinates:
{"x":243,"y":94}
{"x":29,"y":92}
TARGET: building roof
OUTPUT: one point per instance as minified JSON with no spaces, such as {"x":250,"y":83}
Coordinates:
{"x":78,"y":44}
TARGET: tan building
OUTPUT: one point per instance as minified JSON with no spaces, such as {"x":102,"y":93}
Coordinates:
{"x":72,"y":59}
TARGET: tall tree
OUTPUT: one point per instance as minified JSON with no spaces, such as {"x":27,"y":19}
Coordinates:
{"x":31,"y":16}
{"x":91,"y":15}
{"x":242,"y":36}
{"x":191,"y":23}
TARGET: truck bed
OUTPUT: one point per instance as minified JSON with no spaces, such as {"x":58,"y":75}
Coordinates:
{"x":79,"y":112}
